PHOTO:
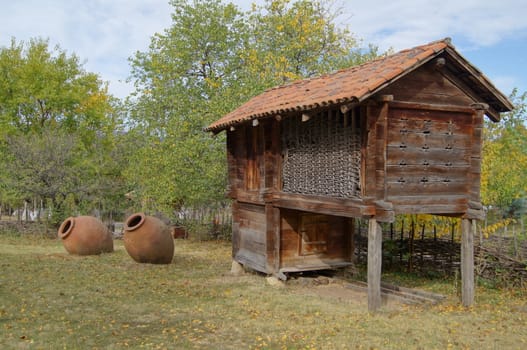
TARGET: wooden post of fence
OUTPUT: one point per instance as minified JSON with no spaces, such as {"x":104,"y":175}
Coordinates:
{"x":450,"y":251}
{"x":401,"y":242}
{"x":435,"y":240}
{"x":467,"y":261}
{"x":392,"y":242}
{"x":411,"y":247}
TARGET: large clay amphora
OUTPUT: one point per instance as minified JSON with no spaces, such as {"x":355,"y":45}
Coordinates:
{"x":148,"y":240}
{"x":85,"y":235}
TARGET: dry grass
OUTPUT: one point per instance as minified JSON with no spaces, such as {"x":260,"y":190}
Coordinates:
{"x":51,"y":300}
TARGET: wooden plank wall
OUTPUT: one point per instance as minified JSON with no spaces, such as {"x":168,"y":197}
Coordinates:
{"x":272,"y":157}
{"x":369,"y":116}
{"x":428,"y":160}
{"x":475,"y":210}
{"x":337,"y":237}
{"x":249,"y":235}
{"x":428,"y":85}
{"x":237,"y":160}
{"x":245,"y":155}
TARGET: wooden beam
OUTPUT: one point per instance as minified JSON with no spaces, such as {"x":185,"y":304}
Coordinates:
{"x":369,"y":150}
{"x":272,"y":218}
{"x":323,"y":205}
{"x":431,"y":106}
{"x":467,"y":261}
{"x":272,"y":157}
{"x":385,"y":98}
{"x":481,"y":78}
{"x":384,"y":211}
{"x":374,"y":265}
{"x":347,"y":107}
{"x":381,"y":135}
{"x":480,"y":106}
{"x":474,"y":174}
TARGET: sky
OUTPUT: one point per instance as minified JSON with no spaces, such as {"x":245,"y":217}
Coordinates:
{"x":491,"y":34}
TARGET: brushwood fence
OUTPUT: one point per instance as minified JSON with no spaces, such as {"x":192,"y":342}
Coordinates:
{"x":205,"y":222}
{"x":417,"y":247}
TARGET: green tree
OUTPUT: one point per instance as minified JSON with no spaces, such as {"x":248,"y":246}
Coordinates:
{"x":180,"y":83}
{"x":41,"y":86}
{"x":292,"y":40}
{"x":212,"y":59}
{"x":57,"y":127}
{"x":504,"y":167}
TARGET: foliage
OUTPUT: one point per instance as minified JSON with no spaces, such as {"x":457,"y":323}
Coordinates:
{"x":211,"y":59}
{"x":62,"y":137}
{"x":42,"y":86}
{"x":57,"y":130}
{"x":292,"y":40}
{"x":441,"y":225}
{"x":504,"y":167}
{"x":180,"y":82}
{"x":489,"y":230}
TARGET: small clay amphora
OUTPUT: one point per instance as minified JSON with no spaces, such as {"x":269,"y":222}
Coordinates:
{"x":148,"y":240}
{"x":85,"y":235}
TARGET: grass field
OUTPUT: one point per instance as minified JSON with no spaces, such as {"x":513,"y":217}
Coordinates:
{"x":51,"y":300}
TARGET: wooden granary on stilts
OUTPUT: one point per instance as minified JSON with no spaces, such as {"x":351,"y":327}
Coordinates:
{"x":398,"y":135}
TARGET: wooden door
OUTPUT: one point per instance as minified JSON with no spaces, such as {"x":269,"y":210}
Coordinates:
{"x":313,"y":234}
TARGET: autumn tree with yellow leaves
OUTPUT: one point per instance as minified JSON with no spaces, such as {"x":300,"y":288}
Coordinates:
{"x":212,"y":59}
{"x":57,"y":125}
{"x":504,"y":167}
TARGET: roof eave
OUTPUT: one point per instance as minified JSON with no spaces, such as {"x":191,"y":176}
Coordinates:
{"x":505,"y":104}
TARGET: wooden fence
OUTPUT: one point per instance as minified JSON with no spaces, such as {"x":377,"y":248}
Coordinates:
{"x":418,"y":248}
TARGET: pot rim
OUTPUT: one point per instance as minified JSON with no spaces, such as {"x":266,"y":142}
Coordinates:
{"x":129,"y":226}
{"x":66,"y":227}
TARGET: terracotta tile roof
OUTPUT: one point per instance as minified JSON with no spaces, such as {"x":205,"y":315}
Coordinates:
{"x":352,"y":84}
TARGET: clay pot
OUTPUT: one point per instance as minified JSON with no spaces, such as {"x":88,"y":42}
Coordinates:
{"x":148,"y":240}
{"x":85,"y":235}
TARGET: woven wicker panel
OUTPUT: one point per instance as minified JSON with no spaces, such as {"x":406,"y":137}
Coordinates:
{"x":322,"y":155}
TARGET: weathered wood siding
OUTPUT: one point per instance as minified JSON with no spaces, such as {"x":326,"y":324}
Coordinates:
{"x":420,"y":152}
{"x":429,"y":85}
{"x":245,"y":155}
{"x":249,"y":235}
{"x":428,"y":158}
{"x":426,"y":142}
{"x":313,"y":240}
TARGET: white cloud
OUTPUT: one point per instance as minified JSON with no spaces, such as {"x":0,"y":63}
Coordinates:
{"x":406,"y":23}
{"x":106,"y":33}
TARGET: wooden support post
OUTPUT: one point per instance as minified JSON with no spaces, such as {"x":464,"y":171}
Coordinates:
{"x":467,"y":262}
{"x":273,"y":238}
{"x":374,"y":265}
